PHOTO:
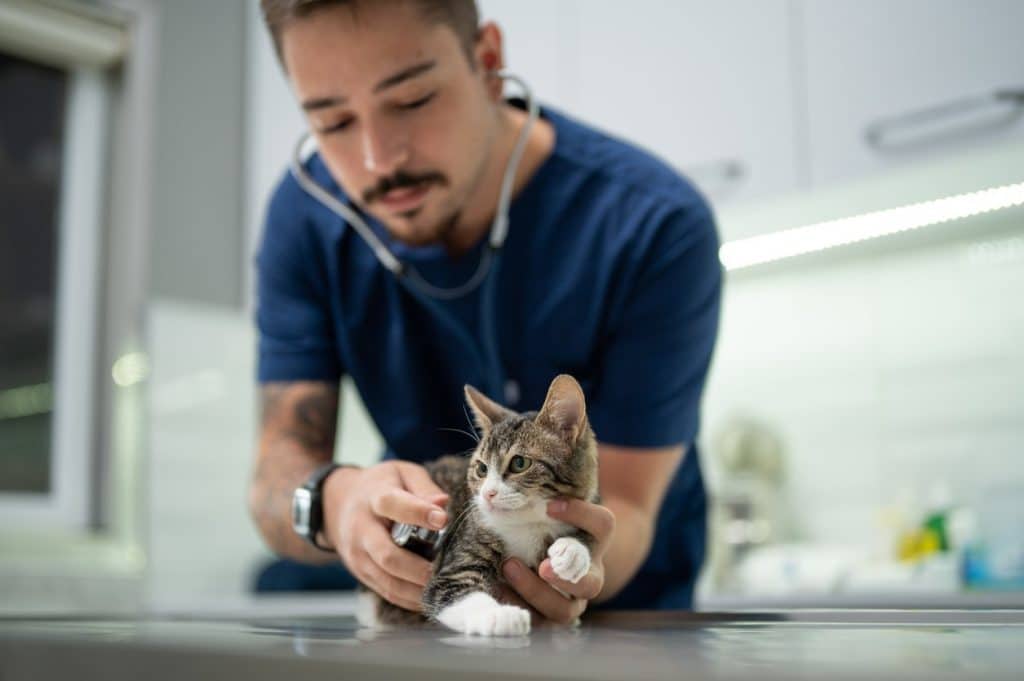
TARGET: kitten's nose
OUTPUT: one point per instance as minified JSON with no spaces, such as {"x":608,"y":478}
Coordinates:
{"x":491,"y":493}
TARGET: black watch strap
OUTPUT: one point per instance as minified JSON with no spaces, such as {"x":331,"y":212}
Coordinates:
{"x":307,"y":506}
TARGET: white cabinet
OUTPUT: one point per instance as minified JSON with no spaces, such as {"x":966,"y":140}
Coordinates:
{"x":706,"y":86}
{"x":871,"y":61}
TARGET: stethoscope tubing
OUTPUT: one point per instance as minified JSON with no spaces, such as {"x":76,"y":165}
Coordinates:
{"x":484,"y":276}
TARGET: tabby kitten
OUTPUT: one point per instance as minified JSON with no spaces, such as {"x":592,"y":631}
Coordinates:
{"x":498,"y":506}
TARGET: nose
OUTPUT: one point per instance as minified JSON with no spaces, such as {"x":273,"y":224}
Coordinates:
{"x":384,"y":150}
{"x":490,"y":493}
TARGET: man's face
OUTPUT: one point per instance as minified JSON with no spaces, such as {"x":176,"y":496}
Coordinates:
{"x":403,"y":122}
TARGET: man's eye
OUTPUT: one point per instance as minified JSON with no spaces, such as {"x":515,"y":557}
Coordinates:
{"x":417,"y":103}
{"x":337,"y":127}
{"x":481,"y":469}
{"x":518,"y":464}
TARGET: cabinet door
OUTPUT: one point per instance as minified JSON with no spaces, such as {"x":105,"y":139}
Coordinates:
{"x":705,"y":85}
{"x":886,"y":61}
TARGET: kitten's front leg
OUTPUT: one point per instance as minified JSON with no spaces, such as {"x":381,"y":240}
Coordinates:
{"x":459,"y":595}
{"x":479,"y":613}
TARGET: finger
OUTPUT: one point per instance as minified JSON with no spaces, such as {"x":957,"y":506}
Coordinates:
{"x":392,"y":589}
{"x":404,"y":507}
{"x":507,"y":595}
{"x":439,"y":500}
{"x":417,"y":480}
{"x":587,"y":588}
{"x":594,"y":519}
{"x":395,"y":560}
{"x":541,"y":595}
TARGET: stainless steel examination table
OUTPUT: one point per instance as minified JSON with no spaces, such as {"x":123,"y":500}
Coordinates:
{"x":876,"y":644}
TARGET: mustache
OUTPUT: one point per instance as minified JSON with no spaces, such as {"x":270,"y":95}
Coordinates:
{"x":401,"y":180}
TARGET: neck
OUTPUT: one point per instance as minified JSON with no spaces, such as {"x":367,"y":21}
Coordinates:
{"x":476,"y":218}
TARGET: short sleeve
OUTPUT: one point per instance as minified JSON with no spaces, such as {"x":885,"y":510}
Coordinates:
{"x":655,"y":358}
{"x":293,"y":318}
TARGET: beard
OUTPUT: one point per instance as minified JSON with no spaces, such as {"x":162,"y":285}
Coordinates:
{"x":438,"y":231}
{"x":435,"y":221}
{"x":408,"y":226}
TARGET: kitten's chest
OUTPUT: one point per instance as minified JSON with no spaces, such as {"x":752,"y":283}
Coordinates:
{"x":529,"y":543}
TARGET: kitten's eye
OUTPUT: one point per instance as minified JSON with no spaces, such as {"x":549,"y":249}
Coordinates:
{"x":518,"y":463}
{"x":481,"y":469}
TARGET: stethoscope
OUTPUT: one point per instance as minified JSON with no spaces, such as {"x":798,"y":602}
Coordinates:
{"x":485,"y":276}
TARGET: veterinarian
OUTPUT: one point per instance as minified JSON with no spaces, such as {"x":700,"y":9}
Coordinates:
{"x":607,"y":269}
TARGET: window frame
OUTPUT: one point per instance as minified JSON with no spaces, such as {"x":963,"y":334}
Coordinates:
{"x":85,"y":42}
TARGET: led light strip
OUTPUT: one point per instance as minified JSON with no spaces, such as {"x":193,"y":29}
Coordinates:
{"x":823,"y":235}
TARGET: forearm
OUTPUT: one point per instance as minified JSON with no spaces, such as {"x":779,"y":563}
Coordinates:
{"x":270,"y":497}
{"x":297,"y":437}
{"x":630,"y":544}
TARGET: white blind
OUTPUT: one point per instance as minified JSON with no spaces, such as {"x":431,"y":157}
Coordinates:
{"x":63,"y":33}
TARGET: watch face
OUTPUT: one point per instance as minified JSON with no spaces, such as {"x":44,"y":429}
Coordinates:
{"x":302,"y":503}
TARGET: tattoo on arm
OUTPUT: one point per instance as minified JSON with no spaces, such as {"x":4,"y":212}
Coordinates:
{"x":306,"y":413}
{"x":298,"y":425}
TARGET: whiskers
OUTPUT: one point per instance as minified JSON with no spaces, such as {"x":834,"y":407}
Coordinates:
{"x":470,"y":421}
{"x":515,"y":501}
{"x":473,"y":436}
{"x":453,"y":527}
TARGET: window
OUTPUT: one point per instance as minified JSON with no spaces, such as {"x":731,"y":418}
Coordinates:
{"x":55,"y":86}
{"x":31,"y":140}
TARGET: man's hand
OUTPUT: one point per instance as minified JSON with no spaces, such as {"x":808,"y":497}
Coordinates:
{"x":359,"y":507}
{"x":540,"y":590}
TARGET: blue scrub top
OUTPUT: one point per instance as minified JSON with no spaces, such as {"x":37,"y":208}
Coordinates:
{"x":610,"y":273}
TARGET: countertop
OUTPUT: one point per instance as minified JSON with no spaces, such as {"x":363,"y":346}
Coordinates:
{"x":280,"y":640}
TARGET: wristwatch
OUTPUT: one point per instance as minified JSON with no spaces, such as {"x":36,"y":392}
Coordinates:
{"x":307,"y":506}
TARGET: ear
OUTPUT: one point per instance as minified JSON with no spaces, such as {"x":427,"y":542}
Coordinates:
{"x":486,"y":411}
{"x":490,"y":57}
{"x":565,"y":409}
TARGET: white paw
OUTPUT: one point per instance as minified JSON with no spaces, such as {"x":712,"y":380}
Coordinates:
{"x":570,"y":559}
{"x":499,"y":620}
{"x":479,"y":614}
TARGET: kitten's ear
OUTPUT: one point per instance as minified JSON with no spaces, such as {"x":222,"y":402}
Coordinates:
{"x":487,"y":411}
{"x":565,"y":409}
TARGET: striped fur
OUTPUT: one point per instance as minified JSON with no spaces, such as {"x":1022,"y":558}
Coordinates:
{"x":559,"y":451}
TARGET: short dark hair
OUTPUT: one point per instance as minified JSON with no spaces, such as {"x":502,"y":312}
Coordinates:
{"x":461,"y":15}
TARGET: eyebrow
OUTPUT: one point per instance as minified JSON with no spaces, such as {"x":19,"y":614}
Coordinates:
{"x":390,"y":81}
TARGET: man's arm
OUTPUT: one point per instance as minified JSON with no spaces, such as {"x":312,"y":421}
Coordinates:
{"x":633,"y":484}
{"x":296,"y":437}
{"x":297,"y":430}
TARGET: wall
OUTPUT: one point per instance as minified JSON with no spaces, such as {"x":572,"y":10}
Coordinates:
{"x":886,"y":374}
{"x":201,"y":544}
{"x":199,"y":152}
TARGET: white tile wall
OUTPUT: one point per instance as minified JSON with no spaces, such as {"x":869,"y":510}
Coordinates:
{"x":202,"y":546}
{"x":201,"y":435}
{"x":882,"y":373}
